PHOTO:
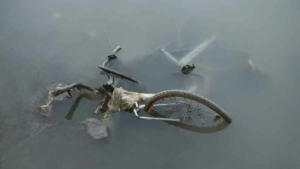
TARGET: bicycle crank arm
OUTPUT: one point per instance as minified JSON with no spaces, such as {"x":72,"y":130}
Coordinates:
{"x":153,"y":118}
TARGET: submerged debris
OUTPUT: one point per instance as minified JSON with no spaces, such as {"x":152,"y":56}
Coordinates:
{"x":46,"y":109}
{"x":123,"y":100}
{"x":96,"y":128}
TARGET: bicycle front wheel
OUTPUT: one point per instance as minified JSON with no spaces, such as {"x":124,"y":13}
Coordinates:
{"x":196,"y":113}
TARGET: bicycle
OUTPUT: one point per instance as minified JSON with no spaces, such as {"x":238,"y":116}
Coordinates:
{"x":179,"y":108}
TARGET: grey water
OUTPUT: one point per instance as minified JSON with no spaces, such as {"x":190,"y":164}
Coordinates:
{"x":47,"y":42}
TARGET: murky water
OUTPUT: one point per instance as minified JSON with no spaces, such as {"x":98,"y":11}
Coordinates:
{"x":42,"y":43}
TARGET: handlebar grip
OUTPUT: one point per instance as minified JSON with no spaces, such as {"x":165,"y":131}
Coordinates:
{"x":117,"y":49}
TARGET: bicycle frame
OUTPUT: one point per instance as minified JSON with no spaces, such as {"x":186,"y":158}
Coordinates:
{"x":111,"y":83}
{"x":105,"y":91}
{"x":135,"y":111}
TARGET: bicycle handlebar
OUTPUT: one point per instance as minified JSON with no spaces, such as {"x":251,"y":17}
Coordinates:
{"x":109,"y":72}
{"x":108,"y":86}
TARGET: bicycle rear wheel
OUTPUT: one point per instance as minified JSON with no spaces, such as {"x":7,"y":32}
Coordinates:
{"x":196,"y":113}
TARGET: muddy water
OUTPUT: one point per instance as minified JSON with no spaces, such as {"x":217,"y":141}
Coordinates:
{"x":42,"y":43}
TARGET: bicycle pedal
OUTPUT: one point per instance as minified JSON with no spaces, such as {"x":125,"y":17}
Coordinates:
{"x":135,"y":106}
{"x":187,"y":69}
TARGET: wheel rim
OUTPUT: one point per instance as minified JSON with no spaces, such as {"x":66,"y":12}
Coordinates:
{"x":194,"y":116}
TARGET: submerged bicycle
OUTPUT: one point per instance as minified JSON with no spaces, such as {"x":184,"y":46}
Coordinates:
{"x":180,"y":108}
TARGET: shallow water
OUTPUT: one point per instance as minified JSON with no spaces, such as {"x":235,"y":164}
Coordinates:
{"x":42,"y":43}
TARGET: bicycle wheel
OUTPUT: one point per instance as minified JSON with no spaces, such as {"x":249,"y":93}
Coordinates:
{"x":195,"y":112}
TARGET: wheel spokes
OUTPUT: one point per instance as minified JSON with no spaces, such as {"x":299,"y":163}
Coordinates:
{"x":189,"y":111}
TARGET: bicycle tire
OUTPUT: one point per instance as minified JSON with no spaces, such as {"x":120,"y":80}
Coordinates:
{"x":194,"y":97}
